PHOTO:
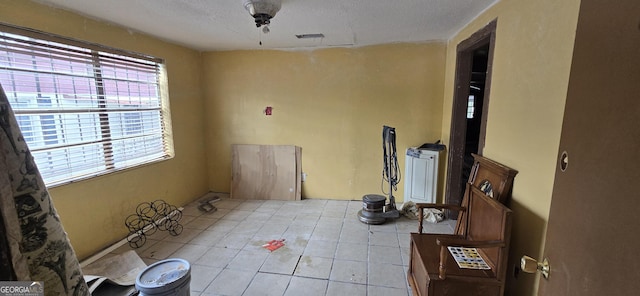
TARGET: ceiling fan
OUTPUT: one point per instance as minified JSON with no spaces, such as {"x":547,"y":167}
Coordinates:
{"x":262,"y":10}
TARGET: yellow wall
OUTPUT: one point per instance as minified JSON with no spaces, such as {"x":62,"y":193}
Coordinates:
{"x":532,"y":59}
{"x":93,"y":211}
{"x":331,"y":102}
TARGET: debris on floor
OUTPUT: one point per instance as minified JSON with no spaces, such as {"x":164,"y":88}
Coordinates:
{"x":410,"y":211}
{"x":274,"y":244}
{"x":114,"y":275}
{"x":206,"y":205}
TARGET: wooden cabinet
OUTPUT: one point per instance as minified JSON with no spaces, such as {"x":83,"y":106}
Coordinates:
{"x":421,"y":175}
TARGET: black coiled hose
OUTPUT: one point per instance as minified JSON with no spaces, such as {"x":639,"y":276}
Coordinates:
{"x":390,"y":171}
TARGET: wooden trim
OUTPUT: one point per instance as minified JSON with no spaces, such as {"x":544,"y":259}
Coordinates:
{"x":484,"y":36}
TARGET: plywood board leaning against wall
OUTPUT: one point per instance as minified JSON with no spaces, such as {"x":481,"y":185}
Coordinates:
{"x":266,"y":172}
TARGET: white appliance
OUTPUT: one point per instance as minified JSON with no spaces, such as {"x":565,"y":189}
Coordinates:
{"x":421,"y":175}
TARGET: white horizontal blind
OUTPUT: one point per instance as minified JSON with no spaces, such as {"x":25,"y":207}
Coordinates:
{"x":84,"y":111}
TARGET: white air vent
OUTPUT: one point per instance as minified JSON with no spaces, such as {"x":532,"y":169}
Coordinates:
{"x":310,"y":36}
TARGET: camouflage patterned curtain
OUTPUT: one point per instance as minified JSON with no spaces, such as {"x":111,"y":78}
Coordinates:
{"x":39,"y":247}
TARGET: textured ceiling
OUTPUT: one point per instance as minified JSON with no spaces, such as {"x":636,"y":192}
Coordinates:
{"x":226,"y":25}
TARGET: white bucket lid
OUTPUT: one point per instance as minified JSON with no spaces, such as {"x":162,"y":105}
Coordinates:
{"x":163,"y":275}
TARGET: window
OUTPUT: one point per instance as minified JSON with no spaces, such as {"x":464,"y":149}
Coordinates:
{"x":84,"y":109}
{"x":471,"y":106}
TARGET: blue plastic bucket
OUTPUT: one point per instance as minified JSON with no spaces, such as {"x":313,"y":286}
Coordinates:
{"x":166,"y":277}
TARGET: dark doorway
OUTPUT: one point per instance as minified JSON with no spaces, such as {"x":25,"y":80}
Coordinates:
{"x":470,"y":107}
{"x":474,"y":114}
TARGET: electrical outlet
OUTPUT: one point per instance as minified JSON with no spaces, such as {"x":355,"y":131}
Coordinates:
{"x":304,"y":177}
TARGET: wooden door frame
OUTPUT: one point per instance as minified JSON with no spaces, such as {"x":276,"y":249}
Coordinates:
{"x":464,"y":59}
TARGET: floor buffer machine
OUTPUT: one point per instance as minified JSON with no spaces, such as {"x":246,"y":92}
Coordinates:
{"x":375,"y":210}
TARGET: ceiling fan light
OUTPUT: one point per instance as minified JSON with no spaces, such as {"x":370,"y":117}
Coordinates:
{"x":258,"y":7}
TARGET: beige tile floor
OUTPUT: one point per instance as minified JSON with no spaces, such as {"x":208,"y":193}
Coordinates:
{"x":327,"y":251}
